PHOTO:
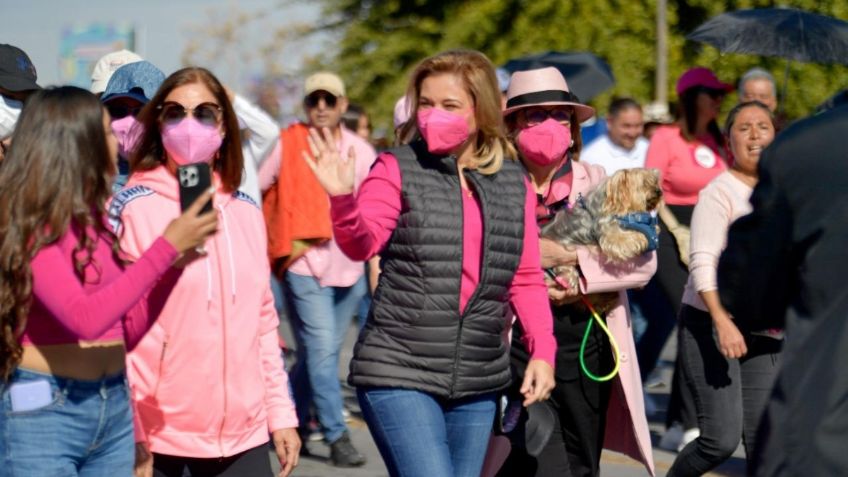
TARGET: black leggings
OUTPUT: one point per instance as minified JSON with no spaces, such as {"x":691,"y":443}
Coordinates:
{"x":250,"y":463}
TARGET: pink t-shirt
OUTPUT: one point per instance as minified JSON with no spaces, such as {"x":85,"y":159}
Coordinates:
{"x":363,"y":224}
{"x":65,"y":310}
{"x":685,"y":167}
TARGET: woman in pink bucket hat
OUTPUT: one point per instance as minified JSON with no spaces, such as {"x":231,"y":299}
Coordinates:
{"x":584,"y":415}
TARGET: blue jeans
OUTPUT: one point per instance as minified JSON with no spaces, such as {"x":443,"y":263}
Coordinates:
{"x":421,"y":435}
{"x":320,"y":317}
{"x":86,"y":430}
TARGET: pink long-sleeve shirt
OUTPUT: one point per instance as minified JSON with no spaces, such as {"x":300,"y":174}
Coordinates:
{"x":66,"y":310}
{"x":362,"y":225}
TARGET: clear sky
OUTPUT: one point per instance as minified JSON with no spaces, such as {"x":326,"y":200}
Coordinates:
{"x":164,"y":29}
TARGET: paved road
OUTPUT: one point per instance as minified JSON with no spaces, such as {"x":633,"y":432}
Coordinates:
{"x":612,"y":464}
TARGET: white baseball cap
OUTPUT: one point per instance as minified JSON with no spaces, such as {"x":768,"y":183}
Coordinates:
{"x":107,"y":65}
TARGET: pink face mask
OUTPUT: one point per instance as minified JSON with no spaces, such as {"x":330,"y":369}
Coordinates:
{"x":443,"y":131}
{"x":544,"y":143}
{"x":189,"y":142}
{"x":127,"y":131}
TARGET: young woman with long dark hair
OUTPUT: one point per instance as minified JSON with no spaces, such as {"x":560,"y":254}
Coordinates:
{"x":70,"y":306}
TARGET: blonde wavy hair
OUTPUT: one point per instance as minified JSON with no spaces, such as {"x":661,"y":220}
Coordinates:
{"x":478,"y":75}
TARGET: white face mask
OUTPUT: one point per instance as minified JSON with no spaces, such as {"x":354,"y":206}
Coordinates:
{"x":10,"y":109}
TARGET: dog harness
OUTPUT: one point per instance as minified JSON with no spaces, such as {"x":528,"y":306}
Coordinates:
{"x":643,"y":222}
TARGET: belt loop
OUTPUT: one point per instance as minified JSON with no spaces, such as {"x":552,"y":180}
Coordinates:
{"x":103,"y":392}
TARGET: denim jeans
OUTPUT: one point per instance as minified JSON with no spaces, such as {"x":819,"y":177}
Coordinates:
{"x":730,"y":394}
{"x":421,"y":435}
{"x":320,"y":317}
{"x":85,"y":431}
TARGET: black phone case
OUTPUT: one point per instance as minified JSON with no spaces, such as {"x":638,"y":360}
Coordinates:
{"x":194,"y":179}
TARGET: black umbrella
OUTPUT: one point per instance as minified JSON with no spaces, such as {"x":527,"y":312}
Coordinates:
{"x":783,"y":32}
{"x":587,"y":75}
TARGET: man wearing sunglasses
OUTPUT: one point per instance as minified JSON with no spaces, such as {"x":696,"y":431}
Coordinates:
{"x":130,"y":87}
{"x":322,"y":286}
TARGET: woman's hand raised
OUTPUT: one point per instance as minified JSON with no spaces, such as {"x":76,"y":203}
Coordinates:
{"x":334,"y":173}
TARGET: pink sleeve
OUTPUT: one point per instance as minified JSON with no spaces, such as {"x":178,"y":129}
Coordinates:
{"x":710,"y":221}
{"x":89,"y":315}
{"x":363,"y":224}
{"x":598,"y":275}
{"x":528,"y":294}
{"x":278,"y":401}
{"x":141,"y":316}
{"x":269,"y":171}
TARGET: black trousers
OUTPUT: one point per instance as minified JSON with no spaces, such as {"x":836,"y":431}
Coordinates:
{"x":671,"y":277}
{"x":579,"y":403}
{"x":250,"y":463}
{"x":730,"y":394}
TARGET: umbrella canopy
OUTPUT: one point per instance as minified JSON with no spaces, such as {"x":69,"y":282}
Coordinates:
{"x":782,"y":32}
{"x":587,"y":75}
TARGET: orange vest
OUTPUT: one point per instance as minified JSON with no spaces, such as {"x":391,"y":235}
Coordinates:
{"x":296,"y":208}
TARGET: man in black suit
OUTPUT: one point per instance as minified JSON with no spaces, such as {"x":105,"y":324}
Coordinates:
{"x":786,"y":265}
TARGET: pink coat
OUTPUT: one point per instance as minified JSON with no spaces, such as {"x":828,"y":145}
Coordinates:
{"x":627,"y":424}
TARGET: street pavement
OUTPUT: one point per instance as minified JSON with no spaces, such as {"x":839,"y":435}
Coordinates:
{"x":612,"y":464}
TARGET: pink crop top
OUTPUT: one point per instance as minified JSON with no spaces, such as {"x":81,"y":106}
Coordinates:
{"x":67,"y":311}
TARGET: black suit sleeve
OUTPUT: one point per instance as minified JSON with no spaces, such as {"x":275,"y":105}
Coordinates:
{"x":755,"y":269}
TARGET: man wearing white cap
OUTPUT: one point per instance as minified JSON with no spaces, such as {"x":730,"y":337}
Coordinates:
{"x":322,"y":286}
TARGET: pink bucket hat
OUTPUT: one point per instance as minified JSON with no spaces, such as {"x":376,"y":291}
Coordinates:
{"x":543,"y":87}
{"x":700,"y":76}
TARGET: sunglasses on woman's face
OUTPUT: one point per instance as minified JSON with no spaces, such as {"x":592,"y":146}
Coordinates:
{"x":208,"y":114}
{"x":313,"y":99}
{"x":120,"y":111}
{"x":712,"y":92}
{"x":535,"y":116}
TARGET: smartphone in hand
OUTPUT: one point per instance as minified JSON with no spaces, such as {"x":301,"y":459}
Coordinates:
{"x":194,"y":179}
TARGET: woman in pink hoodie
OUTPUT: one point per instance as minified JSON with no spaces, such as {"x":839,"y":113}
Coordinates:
{"x":208,"y":382}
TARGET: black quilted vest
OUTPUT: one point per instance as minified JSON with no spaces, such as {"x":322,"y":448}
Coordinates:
{"x":415,"y":337}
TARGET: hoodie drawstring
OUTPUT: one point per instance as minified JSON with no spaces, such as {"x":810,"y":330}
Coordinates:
{"x":229,"y":251}
{"x":208,"y":280}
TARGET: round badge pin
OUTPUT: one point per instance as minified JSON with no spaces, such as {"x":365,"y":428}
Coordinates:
{"x":705,"y":157}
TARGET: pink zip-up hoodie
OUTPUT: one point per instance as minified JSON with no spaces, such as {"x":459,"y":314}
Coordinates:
{"x":207,"y":380}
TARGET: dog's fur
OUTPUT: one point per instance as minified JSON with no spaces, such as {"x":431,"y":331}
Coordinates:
{"x":592,"y":221}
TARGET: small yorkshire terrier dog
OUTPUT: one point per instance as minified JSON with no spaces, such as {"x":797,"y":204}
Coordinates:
{"x":615,"y":216}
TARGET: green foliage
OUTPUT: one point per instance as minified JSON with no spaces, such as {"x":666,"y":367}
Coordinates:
{"x":380,"y":42}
